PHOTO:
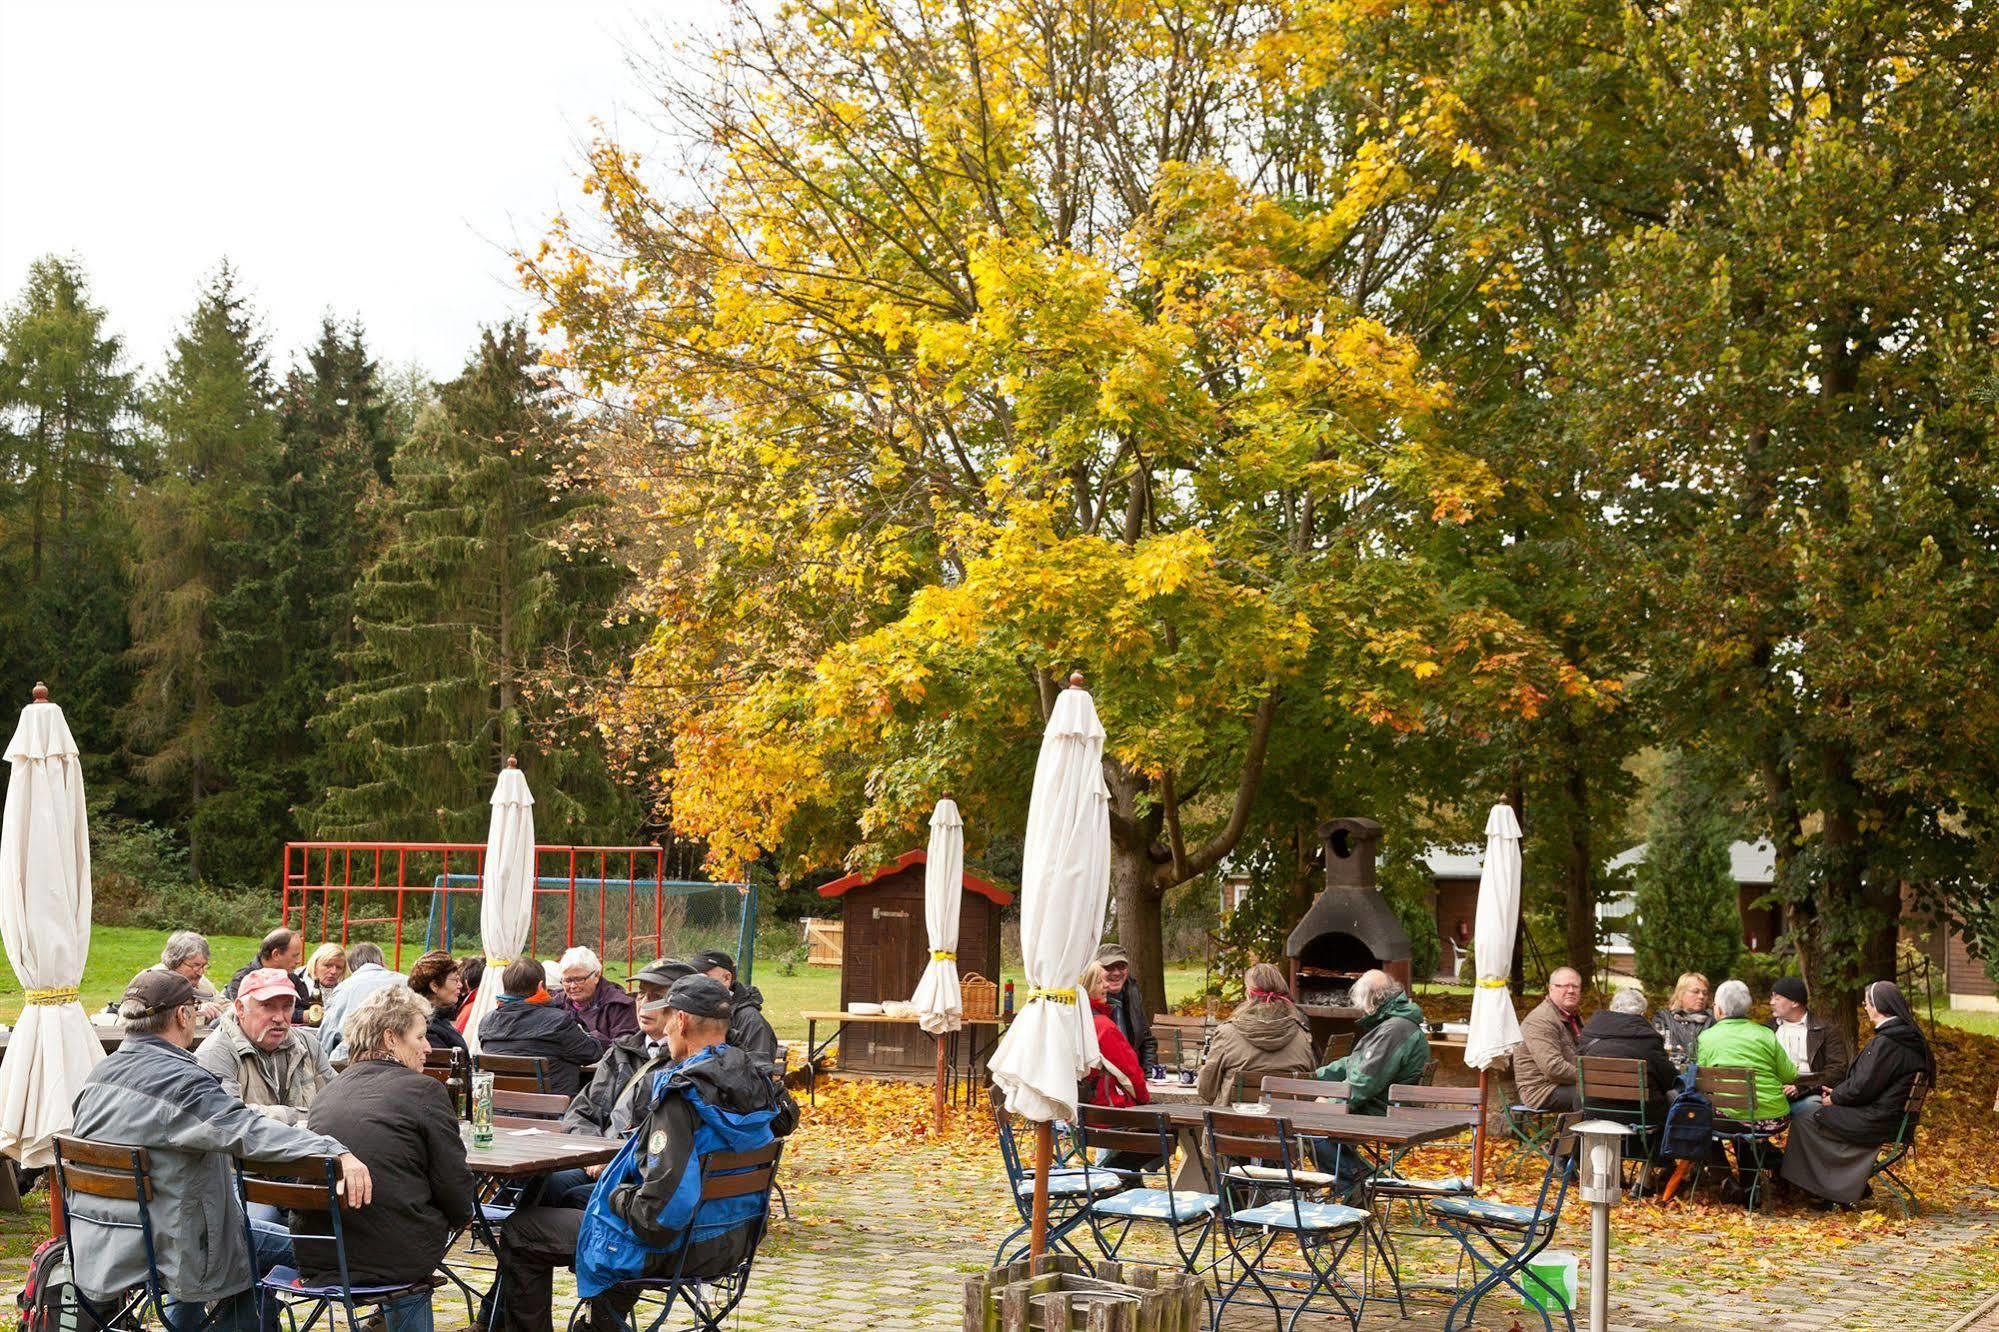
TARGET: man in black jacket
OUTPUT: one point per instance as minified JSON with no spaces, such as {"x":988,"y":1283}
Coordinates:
{"x":546,"y":1030}
{"x":536,"y":1240}
{"x":285,"y":950}
{"x":748,"y":1029}
{"x":1821,"y":1053}
{"x":1621,"y":1032}
{"x":604,"y":1107}
{"x":1127,"y":1004}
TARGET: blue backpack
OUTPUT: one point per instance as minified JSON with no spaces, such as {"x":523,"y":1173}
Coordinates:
{"x":1689,"y":1127}
{"x":607,"y":1249}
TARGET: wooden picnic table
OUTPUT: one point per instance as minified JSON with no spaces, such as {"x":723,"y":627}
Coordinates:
{"x":517,"y":1152}
{"x":1326,"y":1119}
{"x":839,"y":1017}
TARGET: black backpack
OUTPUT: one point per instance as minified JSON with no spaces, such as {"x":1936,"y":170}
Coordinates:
{"x":1689,"y":1127}
{"x":48,"y":1300}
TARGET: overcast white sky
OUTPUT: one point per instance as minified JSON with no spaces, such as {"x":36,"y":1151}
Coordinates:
{"x":372,"y":157}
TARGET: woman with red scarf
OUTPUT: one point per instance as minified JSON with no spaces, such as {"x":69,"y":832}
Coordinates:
{"x":1119,"y":1080}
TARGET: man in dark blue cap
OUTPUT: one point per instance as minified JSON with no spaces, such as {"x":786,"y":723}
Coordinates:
{"x":712,"y":1093}
{"x":748,"y":1030}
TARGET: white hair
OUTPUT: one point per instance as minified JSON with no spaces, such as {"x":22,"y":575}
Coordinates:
{"x":580,"y":956}
{"x":1731,"y":999}
{"x":183,"y":946}
{"x":1372,"y":990}
{"x":1630,"y":999}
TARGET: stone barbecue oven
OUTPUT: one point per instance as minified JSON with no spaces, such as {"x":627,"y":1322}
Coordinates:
{"x":1349,"y":929}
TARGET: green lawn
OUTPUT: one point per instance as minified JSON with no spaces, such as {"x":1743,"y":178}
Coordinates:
{"x":119,"y":952}
{"x":1984,"y":1023}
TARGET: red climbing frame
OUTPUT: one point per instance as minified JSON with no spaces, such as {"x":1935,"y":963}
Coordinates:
{"x":326,"y":873}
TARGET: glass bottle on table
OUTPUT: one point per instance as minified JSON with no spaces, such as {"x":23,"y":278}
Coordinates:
{"x":482,"y":1109}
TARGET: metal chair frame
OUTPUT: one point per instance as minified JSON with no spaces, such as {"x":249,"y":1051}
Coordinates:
{"x":1065,"y":1213}
{"x":1897,"y":1149}
{"x":1148,"y":1131}
{"x":312,"y":1184}
{"x":709,"y":1299}
{"x":124,"y":1173}
{"x":1733,"y":1094}
{"x":1528,"y":1133}
{"x":1233,"y":1139}
{"x":1509,"y":1246}
{"x":1619,"y":1089}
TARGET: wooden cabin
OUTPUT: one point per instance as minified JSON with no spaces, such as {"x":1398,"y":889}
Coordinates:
{"x":885,"y":948}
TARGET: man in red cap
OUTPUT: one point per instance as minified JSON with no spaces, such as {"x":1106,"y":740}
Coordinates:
{"x":260,"y":1057}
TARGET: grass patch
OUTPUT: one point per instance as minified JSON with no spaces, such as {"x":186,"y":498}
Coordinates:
{"x":120,"y":952}
{"x":1978,"y":1020}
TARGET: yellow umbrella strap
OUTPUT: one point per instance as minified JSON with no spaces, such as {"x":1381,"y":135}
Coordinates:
{"x":943,"y":955}
{"x":1063,"y":996}
{"x":64,"y":994}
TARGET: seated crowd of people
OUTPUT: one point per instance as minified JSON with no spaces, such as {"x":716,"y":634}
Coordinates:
{"x":1804,"y":1078}
{"x":267,"y":1084}
{"x":1834,"y":1110}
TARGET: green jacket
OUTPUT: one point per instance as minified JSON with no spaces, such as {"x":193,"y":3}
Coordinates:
{"x":1390,"y":1048}
{"x":1740,"y":1043}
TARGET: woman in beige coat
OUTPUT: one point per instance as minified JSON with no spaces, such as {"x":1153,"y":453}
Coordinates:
{"x":1265,"y":1038}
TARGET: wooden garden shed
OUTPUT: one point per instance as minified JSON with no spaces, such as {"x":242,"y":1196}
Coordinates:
{"x":886,"y":947}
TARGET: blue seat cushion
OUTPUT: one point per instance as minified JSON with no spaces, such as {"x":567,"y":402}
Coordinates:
{"x":288,"y":1279}
{"x":1074,"y":1183}
{"x":496,"y":1213}
{"x":1283,"y":1215}
{"x":1485,"y":1211}
{"x":1157,"y":1205}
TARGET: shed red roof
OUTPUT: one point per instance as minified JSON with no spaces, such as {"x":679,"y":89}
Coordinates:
{"x":840,"y":887}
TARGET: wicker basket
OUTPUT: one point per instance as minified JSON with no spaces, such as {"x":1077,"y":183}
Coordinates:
{"x":980,"y":996}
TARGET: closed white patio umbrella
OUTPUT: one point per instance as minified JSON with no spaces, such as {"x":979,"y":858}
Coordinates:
{"x":45,"y":925}
{"x":1065,"y":879}
{"x":1495,"y":1028}
{"x":940,"y":1007}
{"x":506,"y":891}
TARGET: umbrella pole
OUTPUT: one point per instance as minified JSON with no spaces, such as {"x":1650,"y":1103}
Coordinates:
{"x":1044,"y":1161}
{"x":940,"y":1084}
{"x":1478,"y":1133}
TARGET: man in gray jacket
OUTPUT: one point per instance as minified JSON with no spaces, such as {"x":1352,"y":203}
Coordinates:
{"x":260,"y":1057}
{"x":153,"y":1094}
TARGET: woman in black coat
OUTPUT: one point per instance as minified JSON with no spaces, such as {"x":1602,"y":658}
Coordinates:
{"x":1621,"y":1032}
{"x":403,"y":1125}
{"x":1834,"y":1140}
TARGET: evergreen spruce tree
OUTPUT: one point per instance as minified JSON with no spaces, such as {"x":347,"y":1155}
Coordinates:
{"x":1689,"y":918}
{"x":202,"y":649}
{"x":66,"y":460}
{"x":470,"y":593}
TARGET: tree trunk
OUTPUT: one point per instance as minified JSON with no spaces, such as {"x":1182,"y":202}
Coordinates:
{"x":1829,"y":967}
{"x":1578,"y":892}
{"x":1135,"y":891}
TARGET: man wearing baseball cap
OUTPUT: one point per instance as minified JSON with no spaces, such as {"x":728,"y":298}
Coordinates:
{"x":1127,"y":1005}
{"x":748,"y":1029}
{"x":712,"y":1098}
{"x":260,"y":1057}
{"x":151,"y":1093}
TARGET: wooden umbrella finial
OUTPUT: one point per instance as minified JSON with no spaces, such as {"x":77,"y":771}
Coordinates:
{"x":513,"y":762}
{"x":41,"y":692}
{"x":1075,"y":679}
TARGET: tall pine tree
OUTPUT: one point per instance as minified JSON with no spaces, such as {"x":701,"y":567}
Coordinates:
{"x":199,"y":647}
{"x":470,"y":593}
{"x":66,"y":459}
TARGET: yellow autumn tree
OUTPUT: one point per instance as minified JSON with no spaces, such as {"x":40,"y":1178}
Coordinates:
{"x":950,"y":347}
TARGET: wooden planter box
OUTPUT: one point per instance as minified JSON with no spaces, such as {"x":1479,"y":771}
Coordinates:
{"x":1061,"y":1293}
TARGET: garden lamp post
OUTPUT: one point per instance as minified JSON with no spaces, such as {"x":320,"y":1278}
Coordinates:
{"x":1600,"y":1167}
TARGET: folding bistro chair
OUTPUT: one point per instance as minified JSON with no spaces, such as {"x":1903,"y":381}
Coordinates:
{"x":527,"y":1073}
{"x":1733,"y":1094}
{"x":1392,"y":1184}
{"x":125,"y":1174}
{"x":1070,"y":1189}
{"x":708,"y":1298}
{"x":1618,"y":1090}
{"x":1897,"y":1149}
{"x":1147,"y":1134}
{"x":1258,"y":1211}
{"x":1503,"y":1238}
{"x":311,"y":1185}
{"x":524,"y":1109}
{"x":1528,"y":1133}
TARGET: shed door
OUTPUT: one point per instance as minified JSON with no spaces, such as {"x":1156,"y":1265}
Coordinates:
{"x":902,"y":949}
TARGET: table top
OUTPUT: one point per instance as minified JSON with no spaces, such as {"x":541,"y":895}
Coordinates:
{"x":840,"y":1015}
{"x":515,"y":1152}
{"x":1321,"y":1119}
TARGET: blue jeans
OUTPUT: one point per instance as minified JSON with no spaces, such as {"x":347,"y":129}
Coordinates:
{"x":271,"y":1247}
{"x":566,"y":1188}
{"x":409,"y":1314}
{"x":1345,"y":1164}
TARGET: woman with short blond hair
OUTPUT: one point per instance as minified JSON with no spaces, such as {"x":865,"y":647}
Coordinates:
{"x":1686,"y":1015}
